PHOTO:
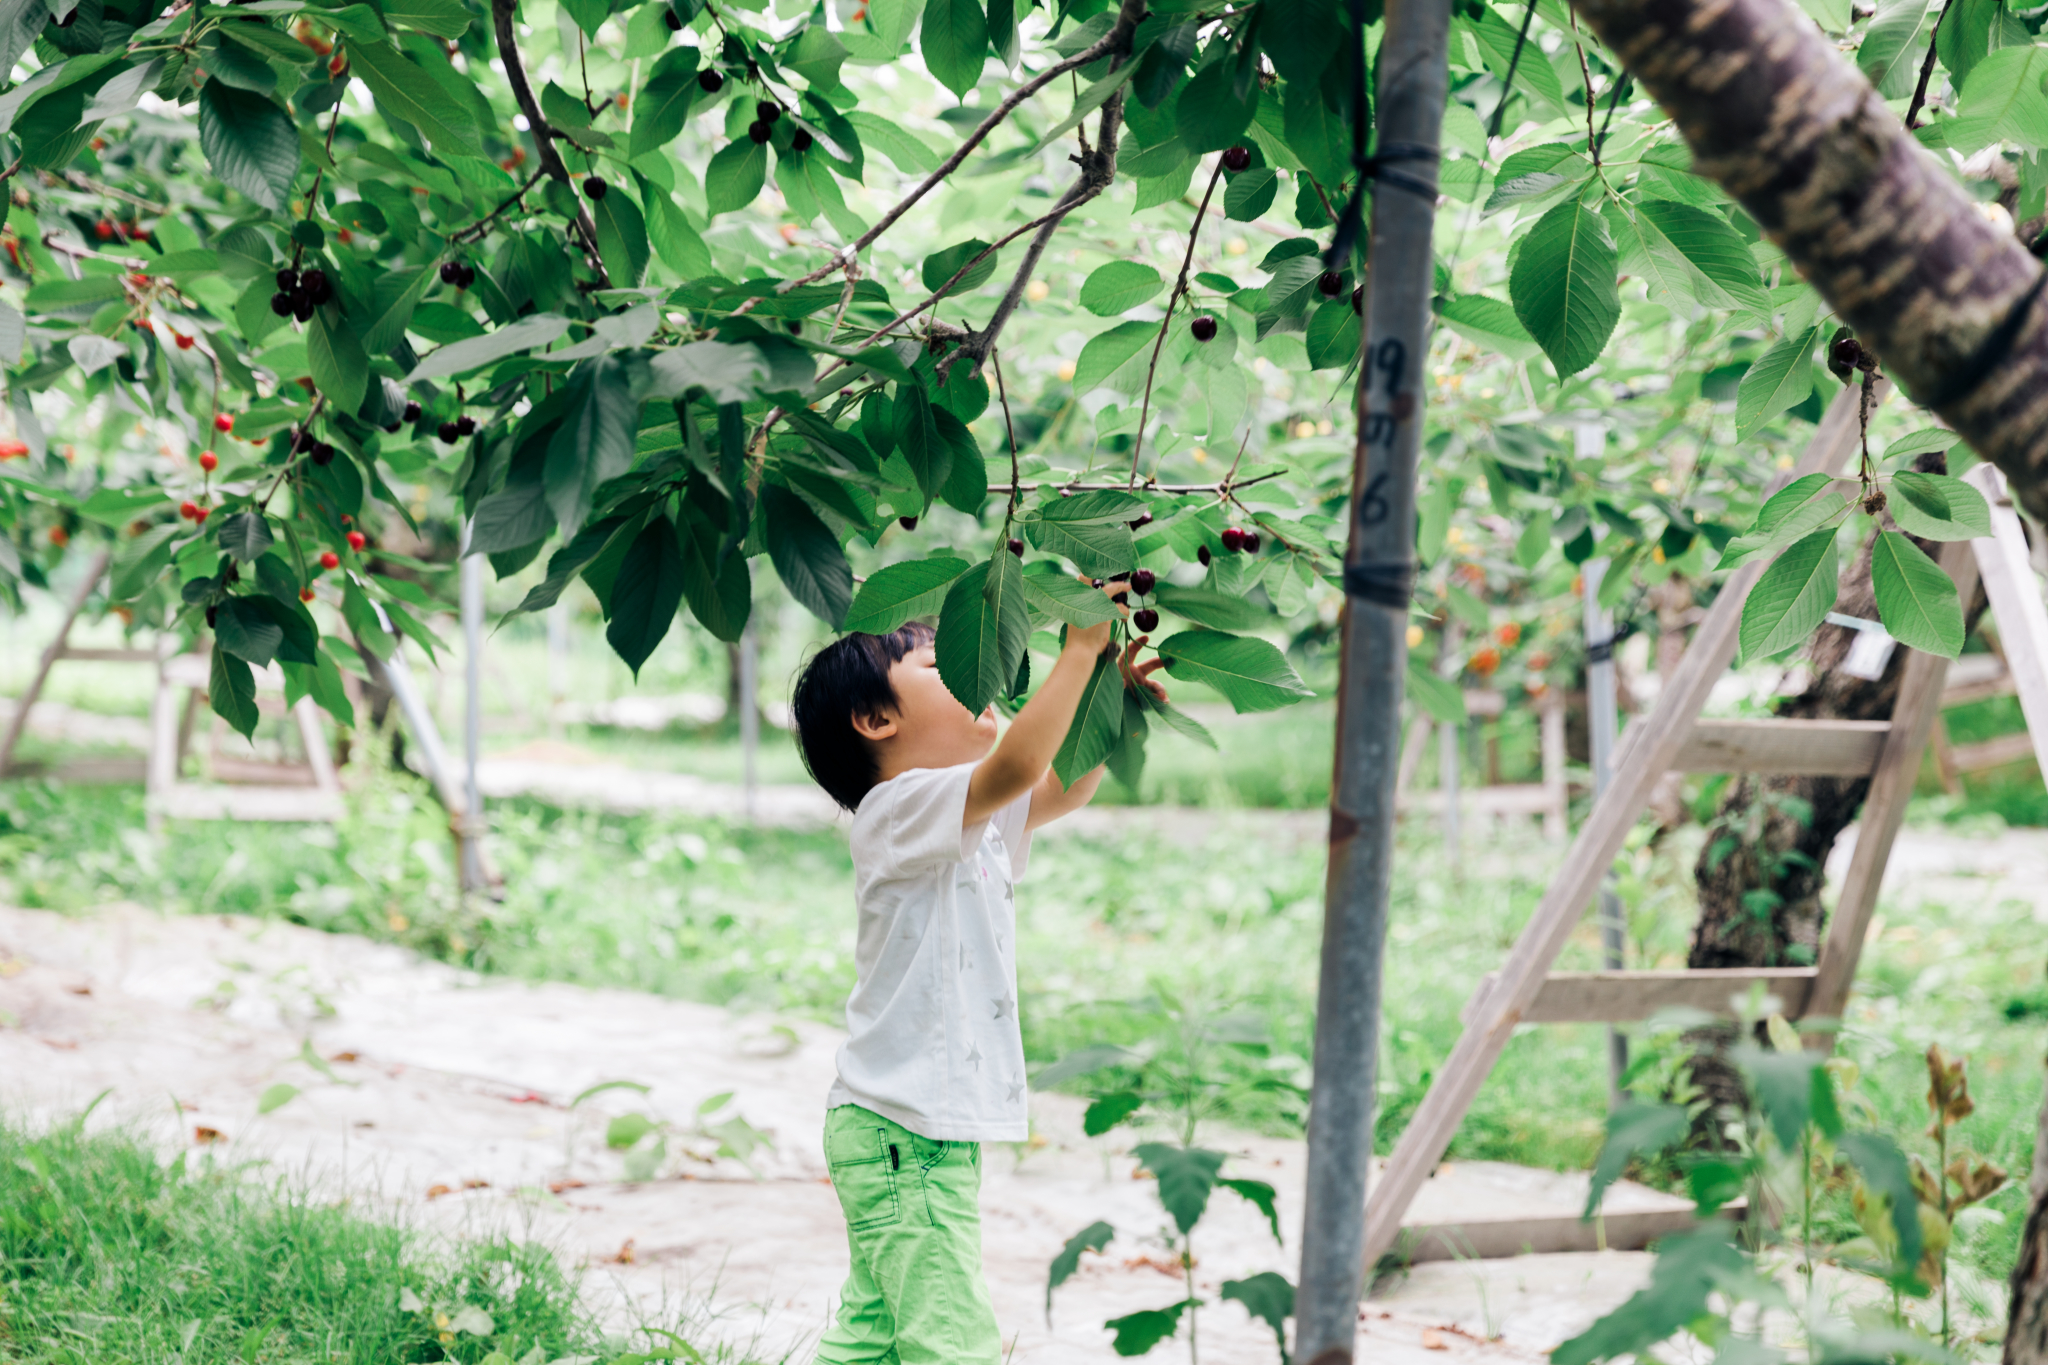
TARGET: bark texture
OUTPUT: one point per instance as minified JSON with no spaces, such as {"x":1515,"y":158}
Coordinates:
{"x":1760,"y":900}
{"x":2026,"y":1331}
{"x":1793,"y":131}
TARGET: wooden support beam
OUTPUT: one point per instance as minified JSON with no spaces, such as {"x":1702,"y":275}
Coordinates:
{"x":1990,"y":753}
{"x":1804,"y":748}
{"x":17,"y":723}
{"x":83,"y":654}
{"x":1647,"y":751}
{"x":1630,"y":997}
{"x":2015,"y":593}
{"x":1884,"y":809}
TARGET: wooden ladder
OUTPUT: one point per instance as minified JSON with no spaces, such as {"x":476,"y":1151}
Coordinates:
{"x":1675,"y":736}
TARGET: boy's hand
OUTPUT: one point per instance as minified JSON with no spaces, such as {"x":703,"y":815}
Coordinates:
{"x":1140,"y":674}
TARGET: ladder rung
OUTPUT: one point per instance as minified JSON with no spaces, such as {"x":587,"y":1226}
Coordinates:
{"x":1623,"y":997}
{"x":1807,"y":748}
{"x":107,"y":656}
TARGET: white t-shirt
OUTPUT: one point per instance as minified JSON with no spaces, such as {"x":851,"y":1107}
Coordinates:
{"x":935,"y":1043}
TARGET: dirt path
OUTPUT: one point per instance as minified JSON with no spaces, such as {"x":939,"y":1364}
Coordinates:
{"x":448,"y":1104}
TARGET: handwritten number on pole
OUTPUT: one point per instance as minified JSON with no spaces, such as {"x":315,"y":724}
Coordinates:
{"x":1390,"y":358}
{"x":1372,"y":507}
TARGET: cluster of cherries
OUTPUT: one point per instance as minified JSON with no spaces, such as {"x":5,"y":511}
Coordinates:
{"x":458,"y":273}
{"x":300,"y":292}
{"x":1145,"y":619}
{"x":451,"y":432}
{"x":1236,"y":540}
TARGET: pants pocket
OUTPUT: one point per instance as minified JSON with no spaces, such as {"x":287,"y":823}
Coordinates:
{"x":864,"y":1176}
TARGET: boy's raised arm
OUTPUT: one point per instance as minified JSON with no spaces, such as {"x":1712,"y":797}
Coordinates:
{"x":1026,"y":750}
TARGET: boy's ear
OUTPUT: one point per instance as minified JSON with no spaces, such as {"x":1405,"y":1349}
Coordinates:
{"x":879,"y":726}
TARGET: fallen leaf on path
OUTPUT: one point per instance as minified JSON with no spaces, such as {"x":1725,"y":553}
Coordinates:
{"x":1433,"y":1340}
{"x":80,"y":989}
{"x":59,"y":1044}
{"x":530,"y":1097}
{"x":343,"y":1057}
{"x":436,"y":1191}
{"x":557,"y":1186}
{"x":206,"y":1136}
{"x":625,"y":1256}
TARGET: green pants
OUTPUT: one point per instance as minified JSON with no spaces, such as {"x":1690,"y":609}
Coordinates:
{"x":915,"y":1293}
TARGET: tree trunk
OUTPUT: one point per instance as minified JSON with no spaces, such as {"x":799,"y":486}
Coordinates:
{"x":1761,"y":871}
{"x":1947,"y":300}
{"x":2026,"y":1330}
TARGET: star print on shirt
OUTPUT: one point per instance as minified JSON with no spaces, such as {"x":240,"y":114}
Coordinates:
{"x":974,"y":1056}
{"x":966,"y":958}
{"x":1016,"y":1092}
{"x":1006,"y":1008}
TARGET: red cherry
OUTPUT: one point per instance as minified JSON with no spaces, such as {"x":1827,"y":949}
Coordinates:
{"x":201,"y":516}
{"x":1203,"y":328}
{"x":1236,"y":159}
{"x":357,"y":540}
{"x":1202,"y":555}
{"x":1251,"y":542}
{"x":305,"y":594}
{"x":188,"y":511}
{"x":1145,"y":619}
{"x":103,"y":229}
{"x":1233,"y":539}
{"x":184,"y":342}
{"x":208,"y":461}
{"x":1143,"y":581}
{"x":223,"y":422}
{"x":329,"y":560}
{"x":1017,"y":548}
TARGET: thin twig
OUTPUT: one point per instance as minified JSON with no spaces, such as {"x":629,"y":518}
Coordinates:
{"x":1180,"y":287}
{"x":1115,"y":40}
{"x":476,"y":231}
{"x":502,"y":14}
{"x":1592,"y":104}
{"x":1003,"y":396}
{"x":80,"y":180}
{"x":1170,"y":489}
{"x":1926,"y":68}
{"x":297,"y":454}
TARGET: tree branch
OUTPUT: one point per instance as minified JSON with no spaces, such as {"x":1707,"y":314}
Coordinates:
{"x":1115,"y":43}
{"x":1926,"y":69}
{"x":1180,"y":287}
{"x":502,"y":13}
{"x":475,"y":231}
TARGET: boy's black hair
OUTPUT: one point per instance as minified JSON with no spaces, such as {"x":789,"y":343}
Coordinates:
{"x":848,"y":678}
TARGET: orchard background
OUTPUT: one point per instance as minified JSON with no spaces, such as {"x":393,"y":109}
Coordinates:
{"x":698,"y":321}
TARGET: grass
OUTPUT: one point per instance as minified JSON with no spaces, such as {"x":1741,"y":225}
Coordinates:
{"x":108,"y":1255}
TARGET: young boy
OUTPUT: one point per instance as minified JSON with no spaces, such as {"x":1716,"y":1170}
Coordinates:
{"x":934,"y":1064}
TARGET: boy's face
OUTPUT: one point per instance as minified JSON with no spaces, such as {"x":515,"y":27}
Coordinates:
{"x":928,"y":727}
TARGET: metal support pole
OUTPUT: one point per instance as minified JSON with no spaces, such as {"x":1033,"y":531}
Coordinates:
{"x":1379,"y":571}
{"x":750,"y":712}
{"x":472,"y":713}
{"x":1602,"y":724}
{"x":1450,"y":744}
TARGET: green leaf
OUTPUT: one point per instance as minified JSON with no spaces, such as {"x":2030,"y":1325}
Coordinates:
{"x":954,"y":43}
{"x":720,"y":594}
{"x":1138,"y":1333}
{"x":231,"y":687}
{"x":1916,"y":600}
{"x":393,"y":299}
{"x":1097,"y":726}
{"x":621,"y":238}
{"x":1791,"y":599}
{"x":1633,"y":1130}
{"x":442,"y":18}
{"x":2003,"y":100}
{"x":1097,"y":549}
{"x":735,"y":175}
{"x":910,"y":152}
{"x":1691,"y":1266}
{"x":1069,"y":599}
{"x":669,"y":230}
{"x":1250,"y":194}
{"x":1119,"y":286}
{"x":594,"y":443}
{"x":1333,"y":335}
{"x":1266,"y":1296}
{"x":917,"y":436}
{"x":252,"y":144}
{"x":245,"y":535}
{"x":1185,"y":1175}
{"x":1938,"y":506}
{"x":1489,"y":323}
{"x":646,"y":593}
{"x":966,"y":485}
{"x":1781,"y":378}
{"x":243,"y":629}
{"x":336,"y":361}
{"x":1714,"y":250}
{"x":1890,"y":54}
{"x":1209,"y":115}
{"x":1107,"y":352}
{"x":1250,"y":673}
{"x":1921,"y":442}
{"x":807,"y":556}
{"x":1262,"y":1196}
{"x":1094,"y":1237}
{"x":1205,"y":607}
{"x":983,"y":626}
{"x":941,"y":266}
{"x":276,"y":1097}
{"x":1441,"y":697}
{"x":1884,"y":1169}
{"x":459,"y":357}
{"x":665,"y":102}
{"x":405,"y":91}
{"x":1563,"y":286}
{"x":900,"y":593}
{"x":1799,"y":508}
{"x":1106,"y":1111}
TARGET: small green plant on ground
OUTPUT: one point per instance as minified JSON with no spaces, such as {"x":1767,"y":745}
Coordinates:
{"x":1823,"y":1186}
{"x":108,"y":1254}
{"x":1171,"y":1077}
